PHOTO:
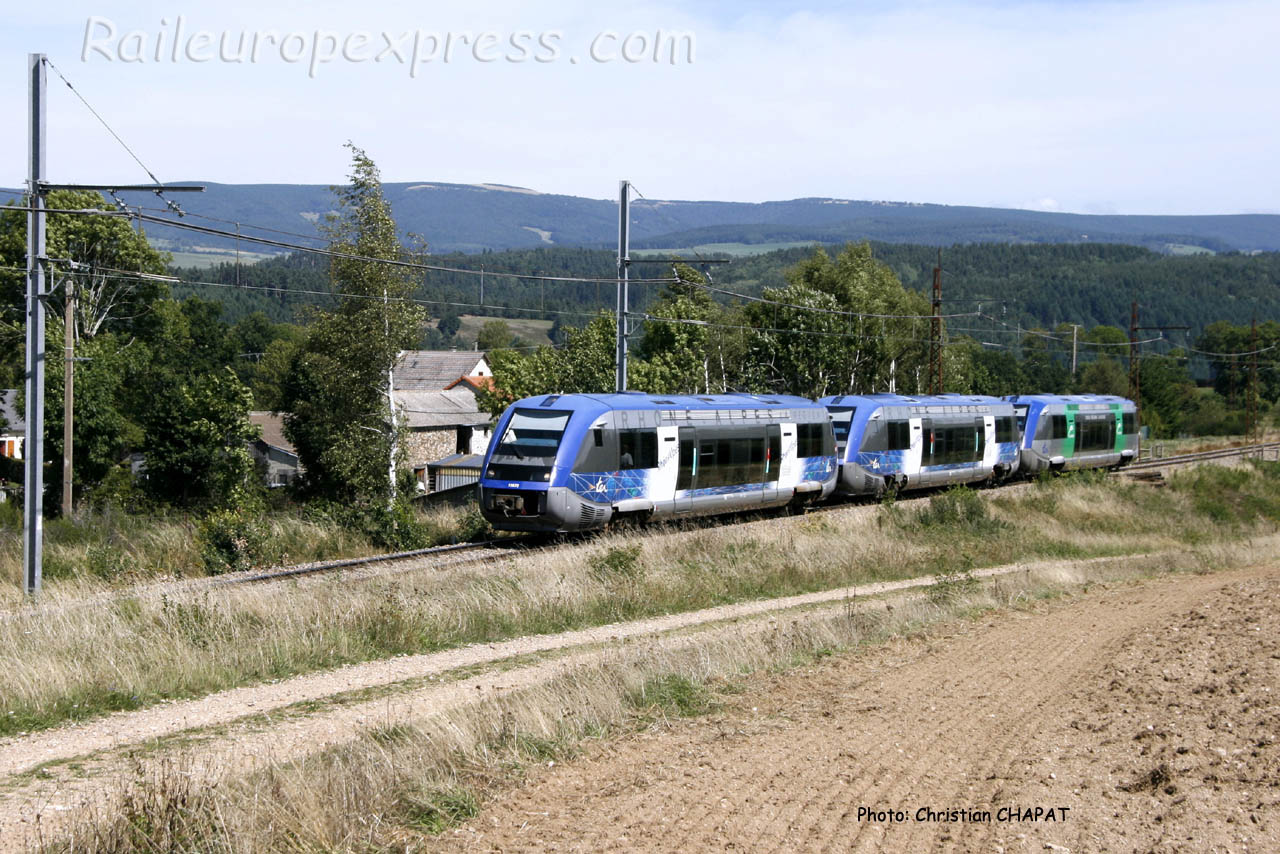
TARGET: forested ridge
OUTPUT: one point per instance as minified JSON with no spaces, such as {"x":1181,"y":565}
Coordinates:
{"x":1027,"y":285}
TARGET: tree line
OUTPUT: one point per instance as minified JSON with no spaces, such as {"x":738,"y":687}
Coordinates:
{"x":169,"y":374}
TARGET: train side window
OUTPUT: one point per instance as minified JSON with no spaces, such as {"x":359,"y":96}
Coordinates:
{"x":899,"y":435}
{"x":1130,"y":423}
{"x":637,"y":449}
{"x":740,"y":459}
{"x":1004,"y":430}
{"x":1059,"y":427}
{"x":708,"y":465}
{"x":979,"y":438}
{"x":809,"y":439}
{"x":598,"y":434}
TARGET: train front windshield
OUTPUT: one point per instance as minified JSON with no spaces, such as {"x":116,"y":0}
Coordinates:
{"x":841,"y":418}
{"x":529,"y":444}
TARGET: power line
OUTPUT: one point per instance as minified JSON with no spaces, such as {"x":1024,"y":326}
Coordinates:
{"x":171,"y":205}
{"x":1037,"y":333}
{"x":331,"y":253}
{"x":819,"y":309}
{"x":128,"y":275}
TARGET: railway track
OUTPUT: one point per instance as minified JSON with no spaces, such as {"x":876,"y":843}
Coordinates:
{"x":1260,"y":450}
{"x":505,"y":547}
{"x":500,"y":545}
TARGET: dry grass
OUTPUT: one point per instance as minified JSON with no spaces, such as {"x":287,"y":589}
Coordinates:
{"x":135,"y":651}
{"x":399,"y":783}
{"x":110,"y":550}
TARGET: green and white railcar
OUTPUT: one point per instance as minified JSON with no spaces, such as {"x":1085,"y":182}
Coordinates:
{"x":1062,"y":432}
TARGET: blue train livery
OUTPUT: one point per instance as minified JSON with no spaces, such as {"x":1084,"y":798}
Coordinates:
{"x":575,"y":462}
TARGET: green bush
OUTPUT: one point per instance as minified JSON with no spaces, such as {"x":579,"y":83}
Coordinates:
{"x":473,"y":527}
{"x":620,"y":563}
{"x":959,"y":510}
{"x":233,"y":540}
{"x":397,"y":528}
{"x":437,"y":810}
{"x":107,"y":561}
{"x":672,"y":694}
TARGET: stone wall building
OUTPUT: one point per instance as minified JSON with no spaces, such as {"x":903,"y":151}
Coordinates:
{"x":435,"y":395}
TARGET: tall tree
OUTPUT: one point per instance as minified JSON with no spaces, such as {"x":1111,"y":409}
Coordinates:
{"x":675,"y":355}
{"x":341,"y":417}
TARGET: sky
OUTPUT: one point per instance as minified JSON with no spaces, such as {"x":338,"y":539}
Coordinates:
{"x":1094,"y":107}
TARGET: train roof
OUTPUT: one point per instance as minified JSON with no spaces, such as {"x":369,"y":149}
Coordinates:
{"x":634,"y":400}
{"x":1067,"y":398}
{"x":910,"y":400}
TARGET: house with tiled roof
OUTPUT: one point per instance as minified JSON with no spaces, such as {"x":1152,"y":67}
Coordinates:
{"x":435,"y":395}
{"x":436,"y":370}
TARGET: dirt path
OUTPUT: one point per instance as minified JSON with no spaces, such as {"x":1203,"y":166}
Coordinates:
{"x":1147,"y":711}
{"x":237,"y":731}
{"x":22,"y":753}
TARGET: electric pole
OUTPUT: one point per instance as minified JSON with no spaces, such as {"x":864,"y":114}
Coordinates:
{"x":37,"y":294}
{"x":1133,"y":353}
{"x":935,"y":332}
{"x":1135,"y":369}
{"x":33,"y":481}
{"x":68,"y":397}
{"x":1254,"y":428}
{"x":1075,"y":328}
{"x":624,"y":261}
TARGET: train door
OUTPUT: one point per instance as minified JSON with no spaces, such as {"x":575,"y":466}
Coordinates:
{"x":772,"y":459}
{"x":687,"y":473}
{"x":922,"y":450}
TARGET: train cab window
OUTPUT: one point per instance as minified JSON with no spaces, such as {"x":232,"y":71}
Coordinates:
{"x":1058,"y":426}
{"x":1004,"y":430}
{"x":841,"y":420}
{"x":898,"y":435}
{"x":1020,"y":416}
{"x":637,"y":449}
{"x":1130,"y":423}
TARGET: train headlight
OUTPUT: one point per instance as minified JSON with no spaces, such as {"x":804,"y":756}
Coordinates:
{"x":546,"y":475}
{"x":490,"y":473}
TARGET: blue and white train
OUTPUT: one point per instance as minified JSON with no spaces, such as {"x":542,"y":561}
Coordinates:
{"x":892,"y":441}
{"x":573,"y":462}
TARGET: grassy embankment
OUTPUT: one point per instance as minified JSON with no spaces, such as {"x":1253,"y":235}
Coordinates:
{"x":98,"y":550}
{"x":400,"y":783}
{"x":130,"y":651}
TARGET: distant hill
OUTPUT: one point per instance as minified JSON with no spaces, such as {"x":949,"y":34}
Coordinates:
{"x":473,"y":218}
{"x":1012,"y":285}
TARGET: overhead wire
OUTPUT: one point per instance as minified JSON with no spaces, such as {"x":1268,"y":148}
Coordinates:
{"x":159,"y":194}
{"x":347,"y":256}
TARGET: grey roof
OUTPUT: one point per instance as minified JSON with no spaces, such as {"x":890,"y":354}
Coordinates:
{"x":458,"y":461}
{"x":432,"y":370}
{"x":453,"y":408}
{"x":272,"y":425}
{"x":16,"y":420}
